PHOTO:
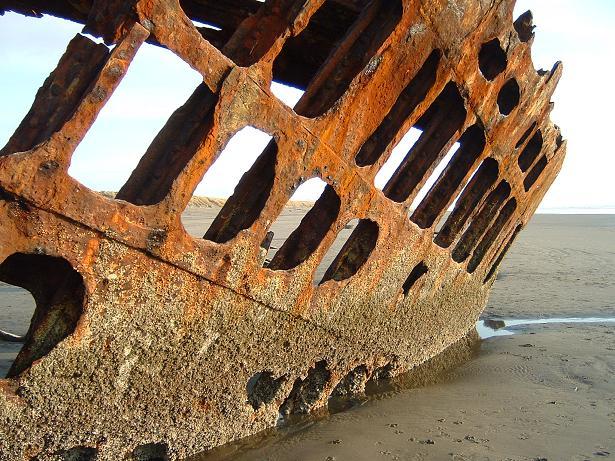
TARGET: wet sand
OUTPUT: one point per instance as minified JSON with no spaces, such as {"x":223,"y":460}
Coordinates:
{"x":544,"y":393}
{"x":560,"y":266}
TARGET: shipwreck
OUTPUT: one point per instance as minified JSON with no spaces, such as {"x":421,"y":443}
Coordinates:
{"x":148,"y":343}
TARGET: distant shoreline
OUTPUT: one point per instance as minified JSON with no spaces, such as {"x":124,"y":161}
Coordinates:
{"x":578,"y":211}
{"x":215,"y":202}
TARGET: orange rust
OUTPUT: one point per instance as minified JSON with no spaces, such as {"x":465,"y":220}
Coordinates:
{"x":90,"y":252}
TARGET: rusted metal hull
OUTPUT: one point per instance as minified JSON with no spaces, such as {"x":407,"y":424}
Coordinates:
{"x":148,"y":340}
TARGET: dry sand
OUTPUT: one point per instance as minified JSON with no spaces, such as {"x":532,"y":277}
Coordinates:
{"x":560,"y":266}
{"x":544,"y":393}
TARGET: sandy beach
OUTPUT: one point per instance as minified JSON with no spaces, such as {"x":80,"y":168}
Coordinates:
{"x":546,"y":392}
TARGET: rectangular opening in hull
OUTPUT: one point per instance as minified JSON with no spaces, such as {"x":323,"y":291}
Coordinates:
{"x":289,"y":250}
{"x":481,"y":221}
{"x":470,"y":147}
{"x":440,"y":123}
{"x":503,"y":253}
{"x":419,"y":270}
{"x":492,"y":234}
{"x":535,"y":173}
{"x":482,"y":180}
{"x":137,"y":116}
{"x":252,"y":190}
{"x":414,"y":93}
{"x":354,"y":253}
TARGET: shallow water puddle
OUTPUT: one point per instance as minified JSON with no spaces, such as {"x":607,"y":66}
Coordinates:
{"x":496,"y":327}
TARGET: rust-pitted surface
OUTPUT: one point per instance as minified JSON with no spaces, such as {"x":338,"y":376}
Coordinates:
{"x":146,"y":340}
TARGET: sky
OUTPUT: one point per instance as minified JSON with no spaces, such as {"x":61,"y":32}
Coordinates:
{"x":579,"y":33}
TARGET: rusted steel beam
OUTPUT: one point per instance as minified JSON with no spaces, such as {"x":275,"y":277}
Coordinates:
{"x":148,"y":342}
{"x":300,"y":59}
{"x":60,"y":94}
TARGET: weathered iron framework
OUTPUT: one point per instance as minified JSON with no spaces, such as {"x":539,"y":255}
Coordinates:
{"x":146,"y":340}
